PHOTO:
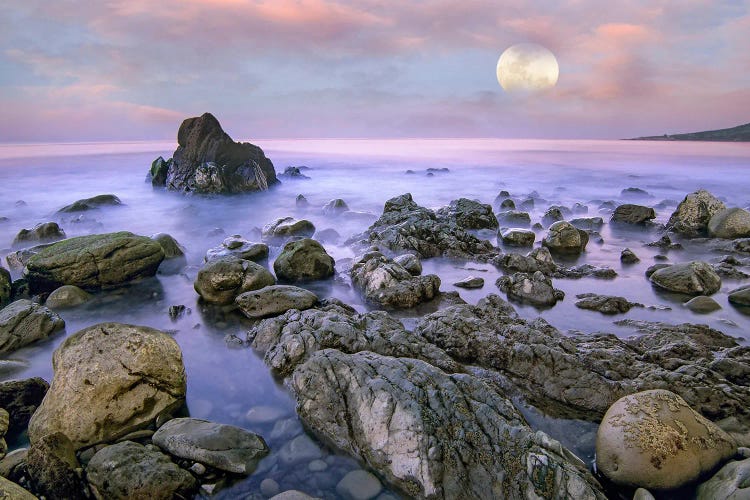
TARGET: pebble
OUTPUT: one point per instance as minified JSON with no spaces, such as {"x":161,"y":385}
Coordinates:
{"x":198,"y":469}
{"x":359,"y":485}
{"x":317,"y":466}
{"x":269,"y":487}
{"x":299,"y":449}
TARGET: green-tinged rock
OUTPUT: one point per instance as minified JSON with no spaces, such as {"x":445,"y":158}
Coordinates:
{"x":221,"y":280}
{"x":304,"y":259}
{"x":67,"y":296}
{"x":102,"y":200}
{"x":693,"y":214}
{"x":694,"y":278}
{"x":730,"y":223}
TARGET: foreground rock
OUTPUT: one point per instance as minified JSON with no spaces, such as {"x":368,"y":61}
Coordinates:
{"x":48,"y":231}
{"x":221,"y":280}
{"x":692,"y":215}
{"x":24,"y":322}
{"x":223,"y":447}
{"x":67,"y":296}
{"x":654,"y":440}
{"x":469,"y":214}
{"x":387,"y":284}
{"x":52,"y":466}
{"x":207,"y":160}
{"x":729,"y":223}
{"x":110,"y":379}
{"x":731,"y":482}
{"x":563,"y":237}
{"x":694,"y":278}
{"x":93,"y":203}
{"x":535,"y":289}
{"x":274,"y":300}
{"x":93,"y":262}
{"x":304,"y":259}
{"x":431,"y":434}
{"x":130,"y":470}
{"x":633,"y":214}
{"x":20,"y":398}
{"x":605,"y":304}
{"x":237,"y":246}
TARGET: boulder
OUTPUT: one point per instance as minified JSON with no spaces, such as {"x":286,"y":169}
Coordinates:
{"x":129,"y":470}
{"x":507,"y":204}
{"x":469,"y":214}
{"x":223,"y":447}
{"x":654,"y":440}
{"x":11,"y":490}
{"x":24,"y":322}
{"x":328,"y":235}
{"x":410,"y":262}
{"x":605,"y":304}
{"x":67,"y":296}
{"x":293,"y":495}
{"x":632,"y":214}
{"x":540,"y":259}
{"x":730,"y":483}
{"x":52,"y":466}
{"x":93,"y":203}
{"x":237,"y":246}
{"x":21,"y":398}
{"x":109,"y":380}
{"x":552,"y":215}
{"x":692,"y":215}
{"x":13,"y":466}
{"x":515,"y":219}
{"x":208,"y":161}
{"x":17,"y":260}
{"x":304,"y":259}
{"x":740,"y":296}
{"x":387,"y":284}
{"x":565,"y":238}
{"x":287,"y":228}
{"x":702,"y":304}
{"x":274,"y":300}
{"x":172,"y":249}
{"x":470,"y":282}
{"x":535,"y":289}
{"x":5,"y":287}
{"x":159,"y":171}
{"x":93,"y":262}
{"x":627,"y":256}
{"x":45,"y":232}
{"x":518,"y":237}
{"x":587,"y":223}
{"x":335,"y":207}
{"x":694,"y":278}
{"x":223,"y":279}
{"x":730,"y":223}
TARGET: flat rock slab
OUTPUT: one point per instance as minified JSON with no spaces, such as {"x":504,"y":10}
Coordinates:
{"x":224,"y":447}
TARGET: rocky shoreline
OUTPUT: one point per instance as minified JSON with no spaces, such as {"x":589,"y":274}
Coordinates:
{"x":428,"y":411}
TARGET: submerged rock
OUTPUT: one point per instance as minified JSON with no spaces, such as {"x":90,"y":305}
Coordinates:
{"x":223,"y":279}
{"x":605,"y":304}
{"x":384,"y":282}
{"x":740,"y":296}
{"x":515,"y":219}
{"x":692,"y":215}
{"x":470,"y":282}
{"x":359,"y":485}
{"x":695,"y":278}
{"x":99,"y":201}
{"x":304,"y":259}
{"x":552,"y":215}
{"x":274,"y":300}
{"x":335,"y":207}
{"x":535,"y":289}
{"x":110,"y":379}
{"x":633,"y":214}
{"x":627,"y":256}
{"x":729,"y":223}
{"x":45,"y":232}
{"x":588,"y":223}
{"x":24,"y":322}
{"x":654,"y":440}
{"x":469,"y":214}
{"x":292,"y":172}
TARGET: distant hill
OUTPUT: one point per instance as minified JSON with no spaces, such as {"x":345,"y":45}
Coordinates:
{"x":740,"y":133}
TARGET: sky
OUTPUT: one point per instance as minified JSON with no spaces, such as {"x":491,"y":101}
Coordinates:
{"x":134,"y":69}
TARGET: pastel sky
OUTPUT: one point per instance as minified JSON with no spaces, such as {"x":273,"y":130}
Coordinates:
{"x":133,"y":69}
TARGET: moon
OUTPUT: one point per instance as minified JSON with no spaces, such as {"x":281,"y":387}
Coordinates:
{"x":527,"y":67}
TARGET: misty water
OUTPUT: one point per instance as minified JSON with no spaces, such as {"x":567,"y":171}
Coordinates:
{"x":226,"y":380}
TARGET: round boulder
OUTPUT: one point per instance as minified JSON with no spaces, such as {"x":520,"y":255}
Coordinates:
{"x":694,"y":278}
{"x":67,"y":296}
{"x":221,"y":280}
{"x":564,"y":238}
{"x":654,"y":440}
{"x":286,"y":228}
{"x":693,"y":214}
{"x":304,"y":259}
{"x":730,"y":223}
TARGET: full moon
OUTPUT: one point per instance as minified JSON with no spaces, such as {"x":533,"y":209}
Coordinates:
{"x":527,"y":67}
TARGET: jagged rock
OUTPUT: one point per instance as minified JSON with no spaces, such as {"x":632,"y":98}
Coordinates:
{"x":110,"y":379}
{"x":431,"y":434}
{"x":633,"y":214}
{"x":729,"y":223}
{"x":605,"y":304}
{"x":654,"y":440}
{"x":731,"y":482}
{"x":702,"y":304}
{"x":627,"y":256}
{"x":633,"y":192}
{"x":237,"y":246}
{"x":695,"y":278}
{"x":552,"y":215}
{"x":665,"y":242}
{"x":207,"y":160}
{"x":518,"y":237}
{"x":726,"y":270}
{"x":740,"y":296}
{"x":588,"y":223}
{"x":387,"y":284}
{"x":693,"y":214}
{"x":301,"y":201}
{"x":469,"y":214}
{"x":541,"y":260}
{"x":470,"y":282}
{"x":291,"y":172}
{"x":129,"y":470}
{"x":328,"y":235}
{"x":274,"y":300}
{"x":304,"y":259}
{"x":67,"y":296}
{"x":93,"y":262}
{"x":579,"y":208}
{"x":6,"y":287}
{"x":223,"y":279}
{"x":45,"y":232}
{"x":535,"y":289}
{"x":159,"y":171}
{"x":23,"y":322}
{"x":565,"y":238}
{"x":335,"y":207}
{"x":99,"y":201}
{"x":410,"y":262}
{"x":515,"y":219}
{"x":17,"y":260}
{"x":287,"y":228}
{"x":20,"y":398}
{"x":52,"y":463}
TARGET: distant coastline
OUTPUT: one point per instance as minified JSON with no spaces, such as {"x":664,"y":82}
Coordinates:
{"x":740,"y":133}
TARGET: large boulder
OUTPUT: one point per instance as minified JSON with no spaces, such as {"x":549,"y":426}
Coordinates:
{"x":387,"y":284}
{"x":45,"y":232}
{"x":654,"y":440}
{"x":223,"y":447}
{"x":633,"y":214}
{"x":52,"y":464}
{"x":21,"y":398}
{"x":5,"y":287}
{"x":207,"y":160}
{"x":563,"y":237}
{"x":129,"y":470}
{"x":274,"y":300}
{"x":287,"y":228}
{"x":172,"y":248}
{"x":221,"y":280}
{"x":304,"y":259}
{"x":93,"y":262}
{"x":535,"y":289}
{"x":109,"y":380}
{"x":93,"y":203}
{"x":694,"y":278}
{"x":469,"y":214}
{"x":515,"y":218}
{"x":23,"y":322}
{"x":729,"y":223}
{"x":693,"y":214}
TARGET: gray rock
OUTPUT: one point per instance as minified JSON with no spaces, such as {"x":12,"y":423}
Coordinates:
{"x":633,"y":192}
{"x":328,"y":235}
{"x":665,"y":242}
{"x":13,"y":466}
{"x":535,"y":289}
{"x":21,"y":398}
{"x":293,"y":495}
{"x":729,"y":223}
{"x":17,"y":260}
{"x":605,"y":304}
{"x":652,"y":269}
{"x":633,"y":214}
{"x":237,"y":246}
{"x":223,"y":447}
{"x":731,"y":482}
{"x":172,"y":249}
{"x":67,"y":296}
{"x":110,"y":379}
{"x":274,"y":300}
{"x":93,"y":262}
{"x":565,"y":238}
{"x":6,"y":287}
{"x":301,"y":201}
{"x":23,"y":322}
{"x":740,"y":296}
{"x":287,"y":228}
{"x":222,"y":280}
{"x":469,"y":214}
{"x":702,"y":304}
{"x":693,"y":214}
{"x":51,"y":464}
{"x":515,"y":219}
{"x":335,"y":207}
{"x":45,"y":232}
{"x":291,"y":172}
{"x":99,"y":201}
{"x":269,"y":487}
{"x":298,"y":450}
{"x":410,"y":262}
{"x":627,"y":256}
{"x":470,"y":282}
{"x":129,"y":470}
{"x":588,"y":223}
{"x":654,"y":440}
{"x":359,"y":485}
{"x":507,"y":204}
{"x":387,"y":284}
{"x":643,"y":494}
{"x":695,"y":278}
{"x":304,"y":259}
{"x":518,"y":237}
{"x":552,"y":215}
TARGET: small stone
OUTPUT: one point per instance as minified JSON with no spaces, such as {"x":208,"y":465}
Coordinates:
{"x":299,"y":449}
{"x":176,"y":312}
{"x":470,"y":282}
{"x":67,"y":296}
{"x":269,"y":487}
{"x":702,"y":304}
{"x":629,"y":257}
{"x":359,"y":485}
{"x":317,"y":466}
{"x":198,"y":469}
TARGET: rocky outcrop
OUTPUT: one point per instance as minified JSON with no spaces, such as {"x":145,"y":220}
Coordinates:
{"x":45,"y":232}
{"x":633,"y":214}
{"x":692,"y":215}
{"x":654,"y":440}
{"x":221,"y":280}
{"x":304,"y":259}
{"x":387,"y":284}
{"x":67,"y":296}
{"x":535,"y":289}
{"x":605,"y":304}
{"x":287,"y":228}
{"x":93,"y":203}
{"x":93,"y":262}
{"x":110,"y":379}
{"x":469,"y":214}
{"x":564,"y":238}
{"x":208,"y":161}
{"x":729,"y":223}
{"x":237,"y":246}
{"x":24,"y":322}
{"x":274,"y":300}
{"x":157,"y":174}
{"x":695,"y":278}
